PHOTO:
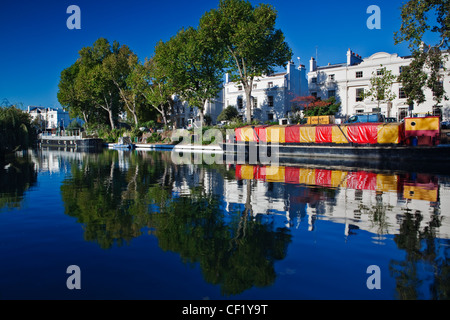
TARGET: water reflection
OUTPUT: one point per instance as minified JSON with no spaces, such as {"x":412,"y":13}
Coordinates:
{"x":226,"y":218}
{"x":116,"y":196}
{"x":17,"y":175}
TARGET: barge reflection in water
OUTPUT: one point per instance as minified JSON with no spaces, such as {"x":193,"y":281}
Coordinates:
{"x":152,"y":229}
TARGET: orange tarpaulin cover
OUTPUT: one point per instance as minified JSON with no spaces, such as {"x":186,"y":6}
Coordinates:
{"x":246,"y":134}
{"x":390,"y":133}
{"x":339,"y":134}
{"x":276,"y":134}
{"x":307,"y":134}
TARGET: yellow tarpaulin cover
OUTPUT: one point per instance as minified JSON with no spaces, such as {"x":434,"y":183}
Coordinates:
{"x":275,"y":174}
{"x":387,"y":182}
{"x":248,"y":134}
{"x":419,"y":193}
{"x":339,"y":178}
{"x":338,"y":134}
{"x":276,"y":134}
{"x":307,"y":176}
{"x":247,"y":172}
{"x":419,"y":124}
{"x":307,"y":134}
{"x":389,"y":133}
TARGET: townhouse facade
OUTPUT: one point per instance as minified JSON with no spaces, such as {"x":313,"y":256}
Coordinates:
{"x":50,"y":118}
{"x":183,"y":115}
{"x":271,"y":94}
{"x":347,"y":81}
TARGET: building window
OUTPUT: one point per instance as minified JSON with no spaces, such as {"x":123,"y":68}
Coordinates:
{"x":437,"y":111}
{"x":401,"y":93}
{"x":402,"y":113}
{"x":331,"y":93}
{"x":270,"y":116}
{"x":255,"y":86}
{"x":400,"y":69}
{"x":359,"y":94}
{"x":331,"y":77}
{"x":270,"y":99}
{"x":314,"y":94}
{"x":240,"y":88}
{"x":314,"y":80}
{"x":359,"y":74}
{"x":359,"y":111}
{"x":438,"y":88}
{"x":270,"y":85}
{"x":255,"y":102}
{"x":240,"y":103}
{"x":379,"y":72}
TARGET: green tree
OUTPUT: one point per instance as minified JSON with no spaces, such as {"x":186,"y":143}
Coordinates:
{"x":380,"y":87}
{"x":158,"y":92}
{"x":194,"y":66}
{"x":228,"y":114}
{"x":92,"y":81}
{"x":251,"y":44}
{"x":16,"y":130}
{"x":313,"y":106}
{"x":428,"y":65}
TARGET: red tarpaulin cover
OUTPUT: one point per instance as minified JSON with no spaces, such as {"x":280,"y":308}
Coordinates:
{"x":293,"y":134}
{"x":363,"y":133}
{"x":292,"y":175}
{"x":260,"y":173}
{"x":261,"y":132}
{"x":237,"y":132}
{"x":323,"y":177}
{"x":362,"y":180}
{"x":324,"y":134}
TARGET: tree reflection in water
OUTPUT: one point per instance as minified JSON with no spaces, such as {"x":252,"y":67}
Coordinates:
{"x":17,"y":175}
{"x":116,"y":197}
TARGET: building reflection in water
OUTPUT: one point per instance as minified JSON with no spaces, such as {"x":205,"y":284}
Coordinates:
{"x":201,"y":211}
{"x":371,"y":201}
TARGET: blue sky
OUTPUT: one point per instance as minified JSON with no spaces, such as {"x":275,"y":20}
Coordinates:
{"x":36,"y":44}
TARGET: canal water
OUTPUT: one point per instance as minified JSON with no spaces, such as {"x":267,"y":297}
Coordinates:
{"x":137,"y":225}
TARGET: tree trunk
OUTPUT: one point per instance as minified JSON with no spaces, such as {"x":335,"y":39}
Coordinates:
{"x":111,"y":119}
{"x":248,"y":101}
{"x":136,"y":122}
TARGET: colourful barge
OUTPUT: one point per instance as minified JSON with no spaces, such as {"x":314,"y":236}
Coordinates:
{"x":414,"y":139}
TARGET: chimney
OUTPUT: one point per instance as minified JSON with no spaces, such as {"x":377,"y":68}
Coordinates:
{"x":312,"y":65}
{"x":227,"y":78}
{"x":353,"y":58}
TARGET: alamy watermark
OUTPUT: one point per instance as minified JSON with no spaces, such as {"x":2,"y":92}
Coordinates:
{"x":74,"y":280}
{"x":250,"y":152}
{"x":74,"y":20}
{"x":374,"y":280}
{"x":374,"y":21}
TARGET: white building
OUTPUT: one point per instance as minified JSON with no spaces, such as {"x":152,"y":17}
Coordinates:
{"x":271,"y":94}
{"x":347,"y":80}
{"x":182,"y":112}
{"x":51,"y":118}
